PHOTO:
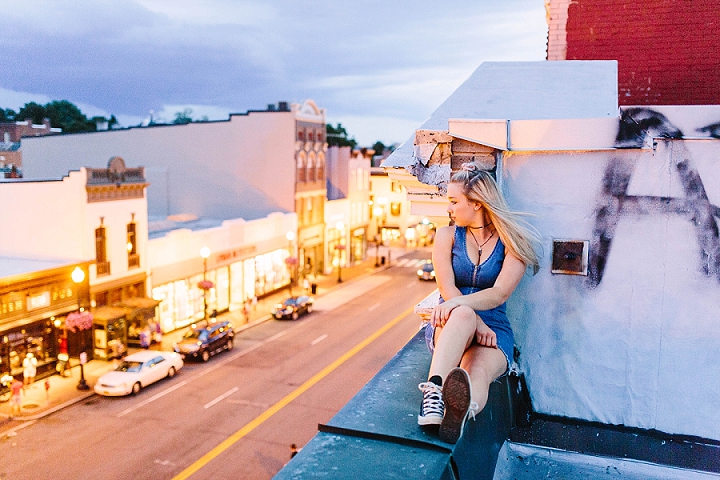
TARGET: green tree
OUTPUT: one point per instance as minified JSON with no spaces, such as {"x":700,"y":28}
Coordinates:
{"x":379,"y":147}
{"x":32,"y":111}
{"x":67,"y":116}
{"x":338,"y":137}
{"x":7,"y":115}
{"x":183,"y":117}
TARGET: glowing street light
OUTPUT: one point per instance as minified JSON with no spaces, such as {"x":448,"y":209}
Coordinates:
{"x":205,"y":253}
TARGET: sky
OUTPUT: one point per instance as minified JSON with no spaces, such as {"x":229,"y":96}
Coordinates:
{"x":380,"y":68}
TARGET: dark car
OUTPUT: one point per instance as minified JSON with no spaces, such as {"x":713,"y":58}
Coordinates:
{"x":427,"y":271}
{"x":204,"y":341}
{"x":293,"y":307}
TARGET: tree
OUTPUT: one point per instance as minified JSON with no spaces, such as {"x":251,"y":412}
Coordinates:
{"x":183,"y":117}
{"x":7,"y":115}
{"x":62,"y":114}
{"x":379,"y":147}
{"x":338,"y":137}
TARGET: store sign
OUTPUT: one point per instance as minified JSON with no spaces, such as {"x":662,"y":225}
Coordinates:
{"x":38,"y":301}
{"x":238,"y":253}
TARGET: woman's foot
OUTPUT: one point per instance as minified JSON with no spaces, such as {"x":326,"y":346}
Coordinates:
{"x":431,"y":408}
{"x":457,"y":394}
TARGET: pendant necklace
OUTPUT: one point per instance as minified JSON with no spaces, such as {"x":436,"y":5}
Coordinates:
{"x":492,"y":234}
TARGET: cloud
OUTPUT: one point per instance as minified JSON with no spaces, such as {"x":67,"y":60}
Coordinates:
{"x":395,"y":61}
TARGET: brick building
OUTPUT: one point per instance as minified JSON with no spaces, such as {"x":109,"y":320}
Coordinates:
{"x":667,"y":51}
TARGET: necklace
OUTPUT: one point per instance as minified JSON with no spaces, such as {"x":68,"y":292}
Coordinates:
{"x":478,"y":228}
{"x":492,"y":234}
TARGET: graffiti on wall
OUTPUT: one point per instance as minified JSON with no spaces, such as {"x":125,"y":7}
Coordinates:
{"x":636,"y":127}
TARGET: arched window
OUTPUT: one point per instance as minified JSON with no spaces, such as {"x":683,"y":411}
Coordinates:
{"x":311,"y":136}
{"x":301,"y":135}
{"x":311,"y":167}
{"x":301,"y":171}
{"x":320,"y":167}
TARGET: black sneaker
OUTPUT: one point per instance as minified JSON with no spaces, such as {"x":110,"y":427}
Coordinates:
{"x":457,"y":394}
{"x":431,"y":408}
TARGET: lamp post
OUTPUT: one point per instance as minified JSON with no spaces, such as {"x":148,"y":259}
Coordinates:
{"x":205,"y":253}
{"x":291,"y":260}
{"x":340,"y":226}
{"x":78,"y":276}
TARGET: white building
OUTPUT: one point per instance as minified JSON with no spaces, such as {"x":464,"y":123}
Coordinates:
{"x":248,"y":166}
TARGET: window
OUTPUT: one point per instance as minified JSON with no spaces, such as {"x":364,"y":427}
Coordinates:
{"x":395,"y":209}
{"x":301,"y":136}
{"x":320,"y":167}
{"x":103,"y":266}
{"x":311,"y":168}
{"x":311,"y":137}
{"x":301,"y":172}
{"x":133,"y":257}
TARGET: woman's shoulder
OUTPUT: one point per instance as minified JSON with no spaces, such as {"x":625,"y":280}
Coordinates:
{"x":445,"y":232}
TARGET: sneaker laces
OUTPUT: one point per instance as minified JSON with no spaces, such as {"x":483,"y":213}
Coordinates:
{"x":473,"y":409}
{"x":432,"y":399}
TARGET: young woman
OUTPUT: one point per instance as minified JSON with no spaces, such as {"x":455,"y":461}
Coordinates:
{"x":478,"y":263}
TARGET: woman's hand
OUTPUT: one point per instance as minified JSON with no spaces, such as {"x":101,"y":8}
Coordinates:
{"x":441,"y":313}
{"x":484,"y":335}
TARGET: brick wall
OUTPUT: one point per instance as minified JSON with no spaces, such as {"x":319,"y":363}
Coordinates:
{"x":668,"y":51}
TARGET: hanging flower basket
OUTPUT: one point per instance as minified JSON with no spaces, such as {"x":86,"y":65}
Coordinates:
{"x":291,"y":261}
{"x":205,"y":284}
{"x":79,"y":321}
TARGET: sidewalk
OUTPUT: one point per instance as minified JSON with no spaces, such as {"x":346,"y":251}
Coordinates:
{"x":63,"y":390}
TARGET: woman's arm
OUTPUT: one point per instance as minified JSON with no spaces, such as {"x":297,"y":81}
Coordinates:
{"x":510,"y":275}
{"x":442,"y":263}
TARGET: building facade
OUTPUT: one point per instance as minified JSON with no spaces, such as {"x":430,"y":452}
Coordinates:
{"x":248,"y":166}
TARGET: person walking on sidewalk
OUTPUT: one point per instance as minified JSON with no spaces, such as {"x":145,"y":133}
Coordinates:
{"x":479,"y":262}
{"x":16,"y":389}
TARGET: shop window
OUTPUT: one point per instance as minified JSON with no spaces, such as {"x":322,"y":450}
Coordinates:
{"x":101,"y":261}
{"x":395,"y":209}
{"x":133,"y":257}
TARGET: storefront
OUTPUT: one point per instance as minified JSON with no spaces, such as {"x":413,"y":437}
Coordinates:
{"x":32,"y":309}
{"x":234,"y":282}
{"x":358,"y":245}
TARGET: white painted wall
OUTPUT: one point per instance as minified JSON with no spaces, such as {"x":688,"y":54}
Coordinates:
{"x":52,"y":219}
{"x":240,"y":168}
{"x":640,"y":349}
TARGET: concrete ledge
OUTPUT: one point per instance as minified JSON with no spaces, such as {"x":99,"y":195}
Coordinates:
{"x":376,"y":434}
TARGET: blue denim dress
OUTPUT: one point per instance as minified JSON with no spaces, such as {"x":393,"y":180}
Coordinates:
{"x":471,"y":278}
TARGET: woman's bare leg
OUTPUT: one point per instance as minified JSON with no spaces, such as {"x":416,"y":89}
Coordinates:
{"x":452,"y":340}
{"x":484,"y":365}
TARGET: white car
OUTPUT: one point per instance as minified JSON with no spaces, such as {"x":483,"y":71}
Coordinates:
{"x":137,"y":371}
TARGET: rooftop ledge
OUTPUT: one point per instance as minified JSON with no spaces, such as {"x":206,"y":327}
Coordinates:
{"x":507,"y":440}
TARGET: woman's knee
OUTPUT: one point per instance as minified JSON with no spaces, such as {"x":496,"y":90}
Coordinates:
{"x":463,"y":317}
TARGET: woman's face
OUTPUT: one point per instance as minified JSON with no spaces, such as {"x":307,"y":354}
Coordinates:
{"x":462,"y":211}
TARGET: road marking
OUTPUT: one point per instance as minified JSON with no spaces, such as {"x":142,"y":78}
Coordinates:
{"x":221,"y":397}
{"x":151,"y":399}
{"x":319,"y":339}
{"x":249,"y":404}
{"x":259,"y":420}
{"x":374,"y":307}
{"x":411,"y":284}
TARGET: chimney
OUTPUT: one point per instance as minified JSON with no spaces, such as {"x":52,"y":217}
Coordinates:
{"x":283,"y":106}
{"x":271,"y":107}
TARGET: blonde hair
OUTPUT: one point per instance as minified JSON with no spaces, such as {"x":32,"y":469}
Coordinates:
{"x":515,"y":232}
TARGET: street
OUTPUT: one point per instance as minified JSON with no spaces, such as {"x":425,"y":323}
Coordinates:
{"x":237,"y":415}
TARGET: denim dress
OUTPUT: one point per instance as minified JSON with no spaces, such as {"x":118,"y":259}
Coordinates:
{"x":471,"y":278}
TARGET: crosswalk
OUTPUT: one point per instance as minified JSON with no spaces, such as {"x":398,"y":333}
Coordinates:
{"x":409,"y":262}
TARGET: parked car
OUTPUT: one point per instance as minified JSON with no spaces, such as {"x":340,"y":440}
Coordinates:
{"x":427,"y":271}
{"x":137,"y":371}
{"x":293,"y":307}
{"x":207,"y":340}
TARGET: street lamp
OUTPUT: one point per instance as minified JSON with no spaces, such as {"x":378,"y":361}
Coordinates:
{"x":377,"y":252}
{"x":340,"y":226}
{"x":205,"y":253}
{"x":291,"y":260}
{"x":78,"y":276}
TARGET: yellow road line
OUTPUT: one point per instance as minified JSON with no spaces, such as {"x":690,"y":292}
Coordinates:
{"x":227,"y":443}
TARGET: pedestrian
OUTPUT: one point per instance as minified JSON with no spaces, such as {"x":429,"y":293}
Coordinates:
{"x":29,"y":368}
{"x":47,"y":390}
{"x":16,"y":389}
{"x":306,"y":285}
{"x":479,"y":262}
{"x":293,"y":450}
{"x":254,"y":302}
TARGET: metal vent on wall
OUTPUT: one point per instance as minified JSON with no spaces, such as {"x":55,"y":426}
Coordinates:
{"x":570,"y":257}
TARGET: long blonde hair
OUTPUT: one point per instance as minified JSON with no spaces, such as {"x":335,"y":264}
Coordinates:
{"x":516,"y":233}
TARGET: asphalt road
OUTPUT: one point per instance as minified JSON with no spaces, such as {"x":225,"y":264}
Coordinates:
{"x":235,"y":416}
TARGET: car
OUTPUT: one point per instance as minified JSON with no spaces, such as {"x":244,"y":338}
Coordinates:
{"x":293,"y":307}
{"x":206,"y":340}
{"x":137,"y":371}
{"x":427,"y":271}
